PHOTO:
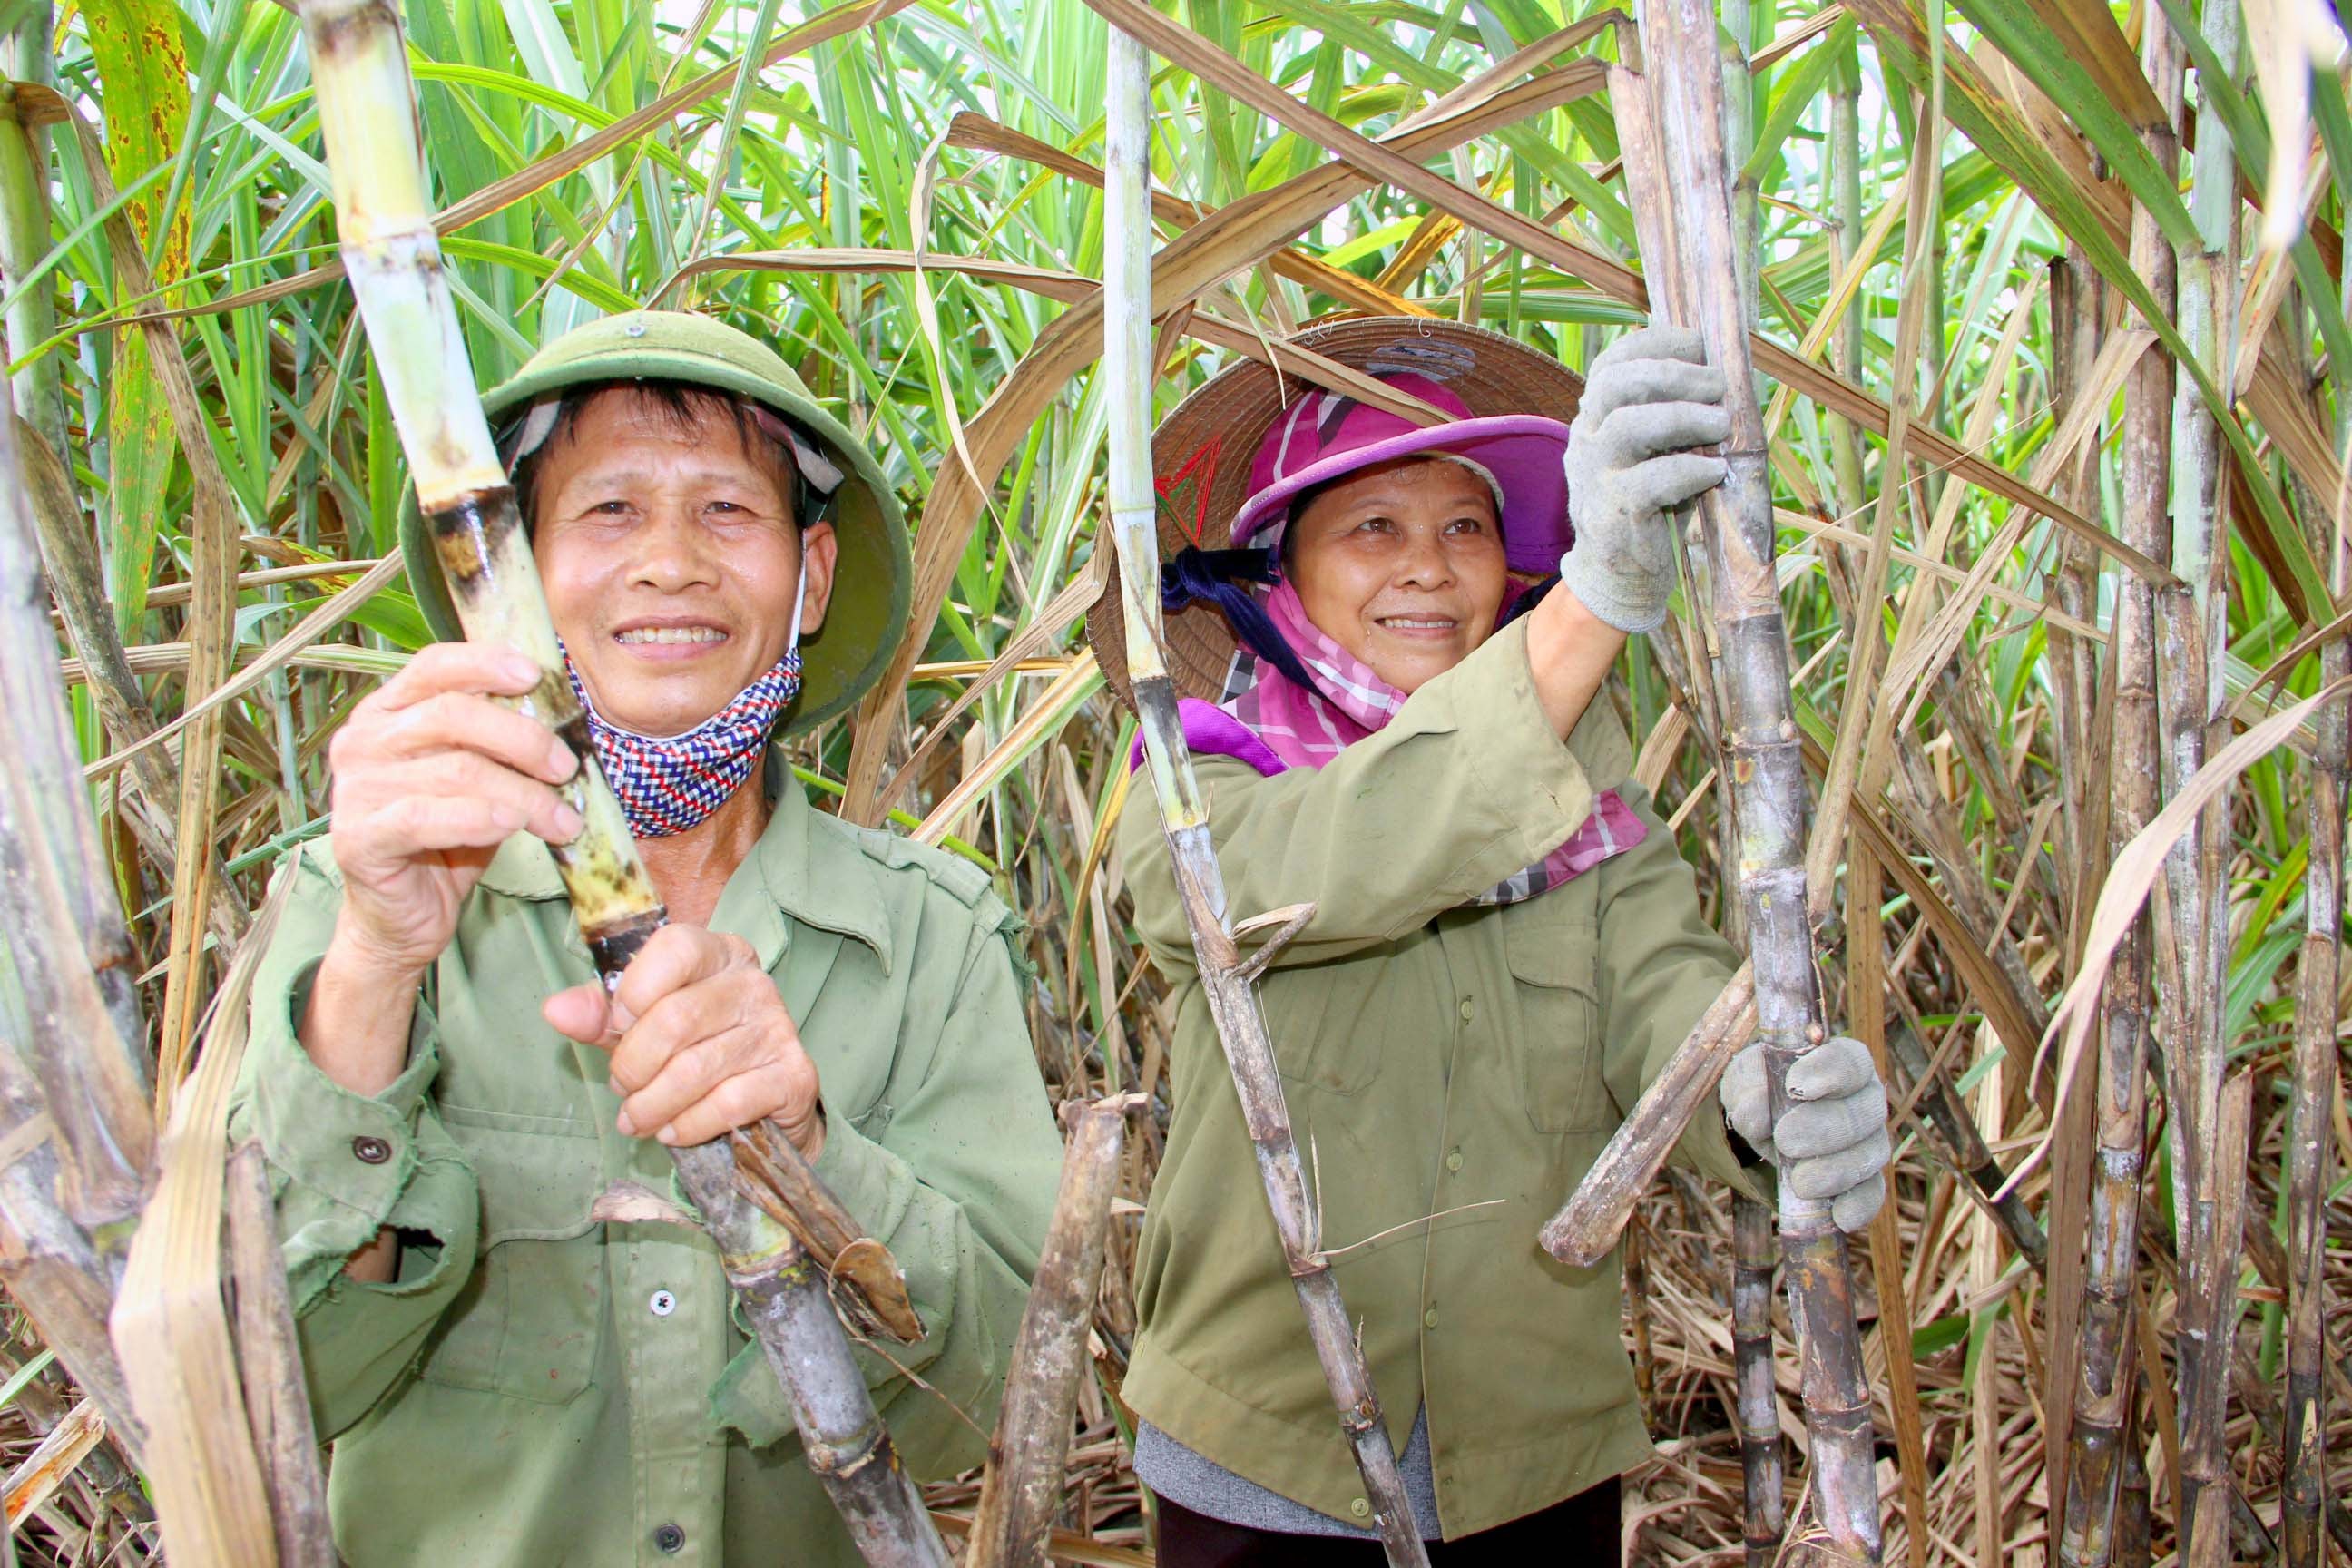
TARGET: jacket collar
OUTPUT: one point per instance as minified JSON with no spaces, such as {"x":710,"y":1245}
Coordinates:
{"x":806,"y":868}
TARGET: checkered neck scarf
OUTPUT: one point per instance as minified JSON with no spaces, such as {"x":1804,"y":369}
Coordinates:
{"x":1306,"y":729}
{"x":669,"y":784}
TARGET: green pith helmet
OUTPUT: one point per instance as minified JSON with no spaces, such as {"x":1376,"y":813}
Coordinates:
{"x":875,"y":577}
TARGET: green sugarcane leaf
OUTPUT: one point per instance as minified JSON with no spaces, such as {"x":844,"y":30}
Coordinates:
{"x":142,"y":67}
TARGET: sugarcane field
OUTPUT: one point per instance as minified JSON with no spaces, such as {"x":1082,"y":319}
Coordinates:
{"x":1229,"y":784}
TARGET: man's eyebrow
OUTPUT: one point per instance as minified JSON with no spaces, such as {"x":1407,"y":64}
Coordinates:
{"x":596,"y":477}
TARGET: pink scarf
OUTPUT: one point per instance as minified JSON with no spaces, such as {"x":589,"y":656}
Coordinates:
{"x":1275,"y":725}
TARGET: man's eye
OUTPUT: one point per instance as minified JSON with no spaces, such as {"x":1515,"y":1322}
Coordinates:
{"x":610,"y":508}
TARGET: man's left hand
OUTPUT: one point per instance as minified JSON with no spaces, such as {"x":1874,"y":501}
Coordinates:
{"x":699,"y":1041}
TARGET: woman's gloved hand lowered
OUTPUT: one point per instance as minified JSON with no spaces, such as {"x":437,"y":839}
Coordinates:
{"x":1832,"y":1146}
{"x":1648,"y":400}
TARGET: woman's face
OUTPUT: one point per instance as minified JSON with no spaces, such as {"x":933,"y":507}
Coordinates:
{"x":1401,"y":565}
{"x":670,"y":559}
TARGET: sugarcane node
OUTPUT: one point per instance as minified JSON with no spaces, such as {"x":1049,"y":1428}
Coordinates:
{"x":335,"y":26}
{"x":614,"y":945}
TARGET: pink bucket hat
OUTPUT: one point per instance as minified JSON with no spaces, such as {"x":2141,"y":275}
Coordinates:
{"x":1325,"y":436}
{"x":1229,"y":462}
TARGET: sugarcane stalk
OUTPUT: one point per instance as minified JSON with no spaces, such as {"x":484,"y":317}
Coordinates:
{"x":1227,"y":975}
{"x":1763,"y":1503}
{"x":390,"y":250}
{"x":74,"y":1119}
{"x":2310,"y":1148}
{"x":1693,"y":282}
{"x":2194,"y":942}
{"x":2104,"y":1372}
{"x":1022,"y":1491}
{"x":1762,"y":1455}
{"x":1589,"y":1224}
{"x":1964,"y":1146}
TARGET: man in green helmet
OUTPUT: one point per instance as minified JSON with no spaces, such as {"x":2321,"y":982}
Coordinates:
{"x":443,"y":1091}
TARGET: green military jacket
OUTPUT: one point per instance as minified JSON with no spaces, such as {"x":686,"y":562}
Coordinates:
{"x":538,"y":1388}
{"x":1438,"y":1060}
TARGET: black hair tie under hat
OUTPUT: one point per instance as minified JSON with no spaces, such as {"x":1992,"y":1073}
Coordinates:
{"x":1216,"y":577}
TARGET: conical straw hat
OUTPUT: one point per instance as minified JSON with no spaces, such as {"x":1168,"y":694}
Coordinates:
{"x":1202,"y":455}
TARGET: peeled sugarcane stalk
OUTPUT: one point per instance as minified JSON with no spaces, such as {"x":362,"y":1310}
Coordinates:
{"x":1227,"y":977}
{"x":367,"y":113}
{"x":1692,"y":282}
{"x":2105,"y":1370}
{"x":1022,"y":1491}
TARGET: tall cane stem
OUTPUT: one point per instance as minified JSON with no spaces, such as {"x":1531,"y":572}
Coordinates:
{"x":1692,"y":283}
{"x":1225,"y":978}
{"x":392,"y":255}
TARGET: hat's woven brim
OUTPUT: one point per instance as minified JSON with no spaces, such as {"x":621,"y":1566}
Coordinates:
{"x":1202,"y":455}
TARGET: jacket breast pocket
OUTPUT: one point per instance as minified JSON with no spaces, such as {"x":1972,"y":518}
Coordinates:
{"x":526,"y":1325}
{"x":1559,"y":994}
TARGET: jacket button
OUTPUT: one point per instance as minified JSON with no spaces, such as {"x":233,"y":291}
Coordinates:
{"x":371,"y":1151}
{"x":1429,"y":1319}
{"x":1360,"y":1508}
{"x":661,"y":1304}
{"x":1454,"y":1160}
{"x":669,"y":1538}
{"x":1468,"y":1009}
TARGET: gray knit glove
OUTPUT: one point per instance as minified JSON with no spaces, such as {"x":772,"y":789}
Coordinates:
{"x":1832,"y":1145}
{"x":1649,"y":399}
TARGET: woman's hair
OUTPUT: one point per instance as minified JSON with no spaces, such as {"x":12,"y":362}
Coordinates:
{"x":680,"y":405}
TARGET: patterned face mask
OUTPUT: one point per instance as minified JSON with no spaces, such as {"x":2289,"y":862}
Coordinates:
{"x":669,"y":784}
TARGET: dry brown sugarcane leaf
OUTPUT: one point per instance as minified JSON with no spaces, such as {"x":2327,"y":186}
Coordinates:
{"x":1060,"y":610}
{"x":1070,"y":287}
{"x":211,"y":624}
{"x":872,"y":1291}
{"x":2291,"y":421}
{"x":168,"y":1325}
{"x":308,"y":630}
{"x":1386,"y":162}
{"x":1048,"y":713}
{"x":37,"y":1476}
{"x":980,"y":134}
{"x":2134,"y":873}
{"x":501,"y":195}
{"x":1189,"y":266}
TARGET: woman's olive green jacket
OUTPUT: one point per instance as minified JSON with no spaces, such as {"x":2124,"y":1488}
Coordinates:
{"x":1438,"y":1060}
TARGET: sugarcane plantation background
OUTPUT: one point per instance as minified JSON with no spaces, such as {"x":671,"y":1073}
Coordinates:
{"x":2047,"y":299}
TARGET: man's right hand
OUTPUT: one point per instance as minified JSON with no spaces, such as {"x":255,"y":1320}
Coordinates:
{"x":431,"y":775}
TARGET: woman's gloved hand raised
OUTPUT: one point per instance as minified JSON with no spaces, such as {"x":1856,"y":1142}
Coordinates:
{"x":1649,"y":399}
{"x":1832,"y":1145}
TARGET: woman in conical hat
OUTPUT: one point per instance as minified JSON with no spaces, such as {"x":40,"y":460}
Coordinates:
{"x":1394,"y":721}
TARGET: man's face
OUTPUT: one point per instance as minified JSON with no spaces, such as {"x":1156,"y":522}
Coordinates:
{"x":1401,"y":565}
{"x":670,"y":558}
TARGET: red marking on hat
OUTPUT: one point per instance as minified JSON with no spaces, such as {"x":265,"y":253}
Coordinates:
{"x":1184,"y":494}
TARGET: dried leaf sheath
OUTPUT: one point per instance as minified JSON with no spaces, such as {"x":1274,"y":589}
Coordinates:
{"x":1692,"y":282}
{"x":393,"y":256}
{"x":1226,"y":978}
